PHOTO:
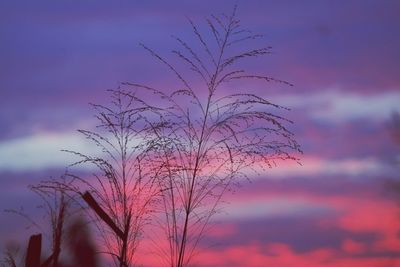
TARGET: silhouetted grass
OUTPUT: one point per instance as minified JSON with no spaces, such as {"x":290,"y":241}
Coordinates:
{"x":167,"y":159}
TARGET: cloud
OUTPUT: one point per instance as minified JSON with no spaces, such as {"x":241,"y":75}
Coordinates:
{"x":351,"y":246}
{"x":278,"y":255}
{"x":364,"y":215}
{"x":361,"y":232}
{"x":270,"y":207}
{"x":41,"y":151}
{"x":339,"y":106}
{"x":282,"y":255}
{"x":320,"y":167}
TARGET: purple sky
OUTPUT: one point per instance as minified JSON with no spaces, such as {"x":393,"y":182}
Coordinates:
{"x":343,"y":58}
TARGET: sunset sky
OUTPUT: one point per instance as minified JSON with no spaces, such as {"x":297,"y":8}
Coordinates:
{"x":342,"y":57}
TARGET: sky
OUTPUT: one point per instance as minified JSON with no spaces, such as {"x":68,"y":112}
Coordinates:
{"x":342,"y":57}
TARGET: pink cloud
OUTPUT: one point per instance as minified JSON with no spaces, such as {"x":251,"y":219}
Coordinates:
{"x":281,"y":255}
{"x":351,"y":246}
{"x":374,"y":216}
{"x":219,"y":231}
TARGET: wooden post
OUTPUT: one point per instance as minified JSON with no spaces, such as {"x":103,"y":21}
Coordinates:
{"x":123,"y":235}
{"x":34,"y":250}
{"x":102,"y":214}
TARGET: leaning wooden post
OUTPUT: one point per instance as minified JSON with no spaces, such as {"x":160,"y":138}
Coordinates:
{"x":123,"y":235}
{"x":102,"y":214}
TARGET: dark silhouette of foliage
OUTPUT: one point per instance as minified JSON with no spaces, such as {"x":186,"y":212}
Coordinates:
{"x":175,"y":153}
{"x":56,"y":203}
{"x":208,"y":143}
{"x":122,"y":190}
{"x":80,"y":245}
{"x":57,"y":207}
{"x":11,"y":255}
